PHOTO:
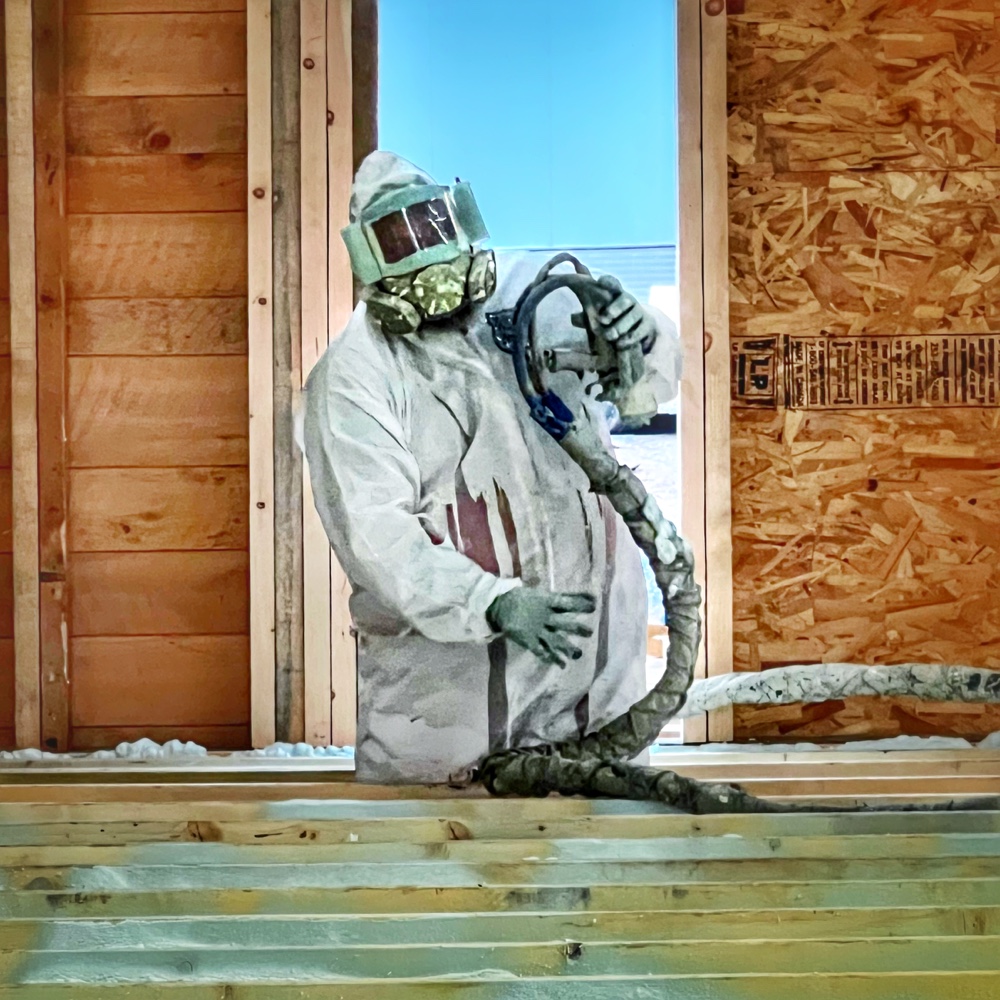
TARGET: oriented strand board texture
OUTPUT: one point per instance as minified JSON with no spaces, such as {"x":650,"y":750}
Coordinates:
{"x":157,"y":371}
{"x":865,"y":175}
{"x":6,"y":564}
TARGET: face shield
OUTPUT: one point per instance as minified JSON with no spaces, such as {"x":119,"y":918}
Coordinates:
{"x":403,"y":233}
{"x":412,"y":228}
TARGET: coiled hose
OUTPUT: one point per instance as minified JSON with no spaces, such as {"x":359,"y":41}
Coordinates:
{"x":597,"y":765}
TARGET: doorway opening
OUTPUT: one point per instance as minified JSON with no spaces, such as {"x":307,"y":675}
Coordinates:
{"x":564,"y":117}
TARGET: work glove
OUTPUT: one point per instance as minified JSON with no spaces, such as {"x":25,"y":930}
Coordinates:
{"x":628,"y":329}
{"x":540,"y":621}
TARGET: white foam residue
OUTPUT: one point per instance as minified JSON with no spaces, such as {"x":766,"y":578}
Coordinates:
{"x":147,"y":749}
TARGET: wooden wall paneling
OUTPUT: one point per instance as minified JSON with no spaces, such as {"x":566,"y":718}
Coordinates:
{"x":158,"y":326}
{"x":286,"y":62}
{"x":718,"y":509}
{"x":341,"y":154}
{"x":211,"y":182}
{"x":167,"y":411}
{"x":316,"y":595}
{"x":50,"y":270}
{"x":24,"y":404}
{"x":127,"y":126}
{"x":151,"y":6}
{"x":261,"y":350}
{"x":692,"y":401}
{"x":151,"y":510}
{"x":159,"y":593}
{"x":124,"y":54}
{"x":152,"y":678}
{"x":112,"y":256}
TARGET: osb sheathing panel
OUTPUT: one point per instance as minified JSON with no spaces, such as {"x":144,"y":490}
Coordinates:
{"x":865,"y":253}
{"x":825,"y":84}
{"x":865,"y":536}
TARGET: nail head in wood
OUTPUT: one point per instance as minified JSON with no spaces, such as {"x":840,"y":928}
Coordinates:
{"x":308,"y":63}
{"x":261,"y":505}
{"x":329,"y":117}
{"x":262,"y":301}
{"x":715,"y":7}
{"x":259,"y":192}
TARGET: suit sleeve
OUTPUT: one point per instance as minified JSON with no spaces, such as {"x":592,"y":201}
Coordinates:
{"x":366,"y":485}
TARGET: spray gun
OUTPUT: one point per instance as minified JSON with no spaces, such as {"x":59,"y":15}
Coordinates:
{"x":619,"y":372}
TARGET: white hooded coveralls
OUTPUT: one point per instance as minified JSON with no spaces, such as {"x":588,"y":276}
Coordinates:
{"x":438,"y":493}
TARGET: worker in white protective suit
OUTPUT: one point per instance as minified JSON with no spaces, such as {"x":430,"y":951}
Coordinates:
{"x":498,"y":601}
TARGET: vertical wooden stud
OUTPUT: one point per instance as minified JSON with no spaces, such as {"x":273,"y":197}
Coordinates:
{"x":364,"y":61}
{"x":261,"y":351}
{"x":692,"y":395}
{"x":50,"y":275}
{"x":24,"y":371}
{"x":340,"y":169}
{"x":316,"y":567}
{"x":718,"y":498}
{"x":287,"y":288}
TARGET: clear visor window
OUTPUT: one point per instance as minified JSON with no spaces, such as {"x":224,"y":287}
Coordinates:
{"x":416,"y":227}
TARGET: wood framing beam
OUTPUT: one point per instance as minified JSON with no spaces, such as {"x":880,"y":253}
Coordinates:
{"x":50,"y":271}
{"x":364,"y":59}
{"x":287,"y":373}
{"x":261,"y":352}
{"x":715,"y":285}
{"x":316,"y":596}
{"x":24,"y":371}
{"x":341,"y":149}
{"x":692,"y":333}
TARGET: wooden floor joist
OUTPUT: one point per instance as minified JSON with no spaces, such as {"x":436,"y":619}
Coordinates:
{"x":490,"y":899}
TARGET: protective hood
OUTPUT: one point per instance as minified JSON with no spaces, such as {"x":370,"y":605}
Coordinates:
{"x":379,"y":173}
{"x":402,"y":222}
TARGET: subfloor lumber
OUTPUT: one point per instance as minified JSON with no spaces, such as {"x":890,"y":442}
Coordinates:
{"x":252,"y":887}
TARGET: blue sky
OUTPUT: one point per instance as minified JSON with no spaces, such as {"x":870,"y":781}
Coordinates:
{"x":561,"y":113}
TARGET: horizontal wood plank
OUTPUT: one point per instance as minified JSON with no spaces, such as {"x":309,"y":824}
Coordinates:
{"x":122,"y":510}
{"x":150,"y":6}
{"x":189,"y":182}
{"x":123,"y":126}
{"x":90,"y":738}
{"x":159,"y":593}
{"x":460,"y":901}
{"x":158,"y":326}
{"x":883,"y":985}
{"x":163,"y":682}
{"x":164,"y":411}
{"x":157,"y":256}
{"x":373,"y":930}
{"x":153,"y":54}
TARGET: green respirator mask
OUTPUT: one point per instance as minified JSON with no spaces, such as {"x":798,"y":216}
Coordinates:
{"x":413,"y":249}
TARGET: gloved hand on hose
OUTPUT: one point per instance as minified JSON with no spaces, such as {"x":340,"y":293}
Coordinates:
{"x":625,"y":324}
{"x":540,"y":621}
{"x":628,"y":328}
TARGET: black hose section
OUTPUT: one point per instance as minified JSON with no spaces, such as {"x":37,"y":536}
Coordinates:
{"x":597,"y":765}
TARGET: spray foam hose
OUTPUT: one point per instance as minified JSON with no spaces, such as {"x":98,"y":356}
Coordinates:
{"x":597,"y":764}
